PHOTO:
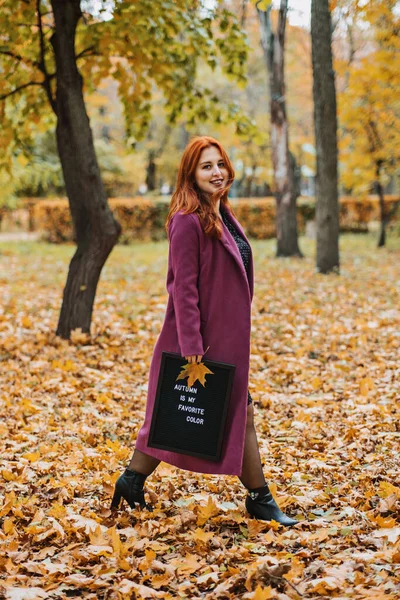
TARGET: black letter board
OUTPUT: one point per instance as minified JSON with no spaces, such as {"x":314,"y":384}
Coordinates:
{"x":191,"y":420}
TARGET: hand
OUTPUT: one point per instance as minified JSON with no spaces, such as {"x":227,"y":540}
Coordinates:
{"x":194,"y":359}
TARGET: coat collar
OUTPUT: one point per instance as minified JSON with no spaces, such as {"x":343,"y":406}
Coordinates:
{"x":231,"y":246}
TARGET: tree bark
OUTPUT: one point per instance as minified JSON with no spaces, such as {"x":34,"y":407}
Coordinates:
{"x":325,"y":122}
{"x":273,"y":45}
{"x":151,"y":171}
{"x":381,"y":196}
{"x":96,"y":230}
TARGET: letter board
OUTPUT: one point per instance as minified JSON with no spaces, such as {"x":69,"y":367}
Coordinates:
{"x":191,"y":419}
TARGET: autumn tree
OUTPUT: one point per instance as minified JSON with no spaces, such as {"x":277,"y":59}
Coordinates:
{"x":325,"y":122}
{"x":52,"y":48}
{"x":285,"y":188}
{"x":369,"y":106}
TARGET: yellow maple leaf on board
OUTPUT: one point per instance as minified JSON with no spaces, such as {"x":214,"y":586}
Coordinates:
{"x":194,"y":372}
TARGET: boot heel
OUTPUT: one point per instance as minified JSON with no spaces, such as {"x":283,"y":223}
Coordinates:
{"x":115,"y":502}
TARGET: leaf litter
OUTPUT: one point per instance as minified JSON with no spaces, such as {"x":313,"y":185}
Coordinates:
{"x":325,"y":382}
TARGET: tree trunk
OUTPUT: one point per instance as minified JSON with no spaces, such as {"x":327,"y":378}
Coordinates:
{"x":96,"y":230}
{"x":274,"y":47}
{"x":379,"y":191}
{"x":325,"y":122}
{"x":151,"y":172}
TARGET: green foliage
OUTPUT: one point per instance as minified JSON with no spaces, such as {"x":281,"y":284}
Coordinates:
{"x":38,"y":173}
{"x":145,"y":46}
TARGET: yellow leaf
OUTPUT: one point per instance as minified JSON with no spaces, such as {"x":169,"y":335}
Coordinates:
{"x":8,"y":504}
{"x":261,"y":593}
{"x":146,"y":563}
{"x":26,"y":322}
{"x":187,"y":564}
{"x":160,"y":580}
{"x":78,"y":337}
{"x":201,"y":535}
{"x":58,"y":511}
{"x":387,"y":489}
{"x":205,"y":512}
{"x":68,"y":366}
{"x":323,"y":585}
{"x":31,"y":456}
{"x":316,"y":383}
{"x":124,"y":565}
{"x":366,"y":384}
{"x":8,"y":475}
{"x":384,"y":523}
{"x":255,"y":527}
{"x":8,"y":526}
{"x":194,"y":372}
{"x":273,"y":489}
{"x":29,"y":407}
{"x":115,"y":540}
{"x":22,"y":160}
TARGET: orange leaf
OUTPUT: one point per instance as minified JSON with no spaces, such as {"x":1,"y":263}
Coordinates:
{"x":31,"y":456}
{"x":387,"y":489}
{"x":8,"y":526}
{"x":8,"y":475}
{"x":261,"y":593}
{"x":205,"y":512}
{"x":201,"y":535}
{"x":366,"y":384}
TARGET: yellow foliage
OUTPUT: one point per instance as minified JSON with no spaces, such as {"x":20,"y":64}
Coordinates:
{"x":369,"y":109}
{"x":144,"y":219}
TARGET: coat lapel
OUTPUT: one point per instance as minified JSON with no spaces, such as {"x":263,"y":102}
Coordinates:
{"x":230,"y":245}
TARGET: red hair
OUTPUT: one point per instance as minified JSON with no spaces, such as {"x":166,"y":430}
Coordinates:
{"x":188,"y":198}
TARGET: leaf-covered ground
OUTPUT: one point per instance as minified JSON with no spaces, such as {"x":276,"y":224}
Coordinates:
{"x":326,"y":387}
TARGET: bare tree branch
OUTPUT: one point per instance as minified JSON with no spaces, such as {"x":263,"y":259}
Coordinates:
{"x":87,"y":52}
{"x":42,"y":63}
{"x":244,"y":14}
{"x":30,"y":25}
{"x":19,"y":88}
{"x":19,"y":58}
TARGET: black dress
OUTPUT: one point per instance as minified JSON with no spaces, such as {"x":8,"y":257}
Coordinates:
{"x":244,"y":250}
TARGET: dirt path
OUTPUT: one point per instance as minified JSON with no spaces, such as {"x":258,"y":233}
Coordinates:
{"x":20,"y":236}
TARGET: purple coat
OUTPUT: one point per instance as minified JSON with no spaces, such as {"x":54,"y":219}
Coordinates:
{"x":209,"y":304}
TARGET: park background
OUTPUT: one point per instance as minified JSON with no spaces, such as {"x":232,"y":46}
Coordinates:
{"x":325,"y":347}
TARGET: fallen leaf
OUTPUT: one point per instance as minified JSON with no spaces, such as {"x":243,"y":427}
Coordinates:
{"x":201,"y":535}
{"x":207,"y":511}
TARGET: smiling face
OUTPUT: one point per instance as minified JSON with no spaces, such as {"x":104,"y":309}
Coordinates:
{"x":211,"y":173}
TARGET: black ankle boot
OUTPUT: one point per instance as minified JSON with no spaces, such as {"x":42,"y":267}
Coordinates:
{"x":129,"y":486}
{"x":261,"y":505}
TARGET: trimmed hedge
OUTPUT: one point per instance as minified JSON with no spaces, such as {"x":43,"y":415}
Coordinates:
{"x":144,"y":219}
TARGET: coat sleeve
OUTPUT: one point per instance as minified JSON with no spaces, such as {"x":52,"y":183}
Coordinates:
{"x":185,"y":262}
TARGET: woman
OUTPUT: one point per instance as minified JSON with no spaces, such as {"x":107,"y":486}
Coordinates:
{"x":210,"y":287}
